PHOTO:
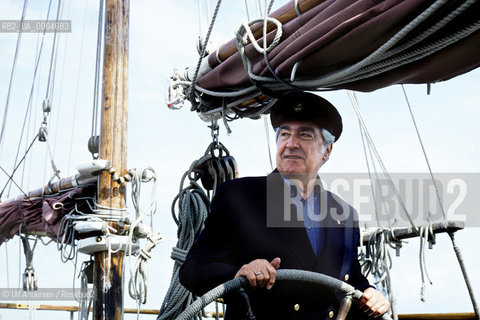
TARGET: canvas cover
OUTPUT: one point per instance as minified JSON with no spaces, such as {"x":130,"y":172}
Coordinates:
{"x":40,"y":214}
{"x":339,"y":33}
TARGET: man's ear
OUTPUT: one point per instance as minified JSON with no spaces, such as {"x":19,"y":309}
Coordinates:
{"x":327,"y":153}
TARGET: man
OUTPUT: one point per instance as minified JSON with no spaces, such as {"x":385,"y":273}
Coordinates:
{"x":286,"y":219}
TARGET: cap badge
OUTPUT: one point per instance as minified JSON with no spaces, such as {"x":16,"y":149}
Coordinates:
{"x":298,"y":108}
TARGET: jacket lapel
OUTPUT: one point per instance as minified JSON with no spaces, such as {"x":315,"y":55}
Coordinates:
{"x":292,"y":232}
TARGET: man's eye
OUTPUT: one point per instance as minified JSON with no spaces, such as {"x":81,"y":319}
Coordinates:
{"x":284,"y":134}
{"x":306,"y":135}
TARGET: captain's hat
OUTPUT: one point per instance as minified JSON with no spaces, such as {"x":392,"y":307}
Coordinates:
{"x":305,"y":106}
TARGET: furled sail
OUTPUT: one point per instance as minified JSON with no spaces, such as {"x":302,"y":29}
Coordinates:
{"x":340,"y":44}
{"x":42,"y":215}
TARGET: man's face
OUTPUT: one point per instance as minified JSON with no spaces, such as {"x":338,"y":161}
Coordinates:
{"x":299,"y":148}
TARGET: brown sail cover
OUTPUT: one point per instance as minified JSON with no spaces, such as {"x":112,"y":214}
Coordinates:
{"x":339,"y":33}
{"x":39,"y":215}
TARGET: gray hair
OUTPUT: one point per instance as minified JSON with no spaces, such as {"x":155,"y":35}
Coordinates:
{"x":328,"y":138}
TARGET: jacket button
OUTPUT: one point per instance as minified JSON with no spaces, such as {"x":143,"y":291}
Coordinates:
{"x":330,"y":314}
{"x":296,"y":307}
{"x":346,"y":277}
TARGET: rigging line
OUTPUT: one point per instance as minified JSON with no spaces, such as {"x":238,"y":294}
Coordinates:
{"x":458,"y":253}
{"x":204,"y":46}
{"x":207,"y":9}
{"x":372,"y":159}
{"x":52,"y":55}
{"x":96,"y":86}
{"x":19,"y":254}
{"x":259,"y":8}
{"x":30,"y":98}
{"x":12,"y":74}
{"x":10,"y":177}
{"x":269,"y":6}
{"x":75,"y":104}
{"x":373,"y":57}
{"x":384,"y":208}
{"x":59,"y":17}
{"x":246,"y":8}
{"x":46,"y":113}
{"x":6,"y":263}
{"x":30,"y":131}
{"x":377,"y":177}
{"x":60,"y":96}
{"x":398,"y":56}
{"x":199,"y":2}
{"x":377,"y":155}
{"x":369,"y":173}
{"x":424,"y":153}
{"x":267,"y":134}
{"x":410,"y":56}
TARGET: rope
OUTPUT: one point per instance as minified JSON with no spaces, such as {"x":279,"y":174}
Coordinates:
{"x":85,"y":303}
{"x":96,"y":85}
{"x":60,"y":90}
{"x":426,"y":232}
{"x":79,"y":71}
{"x":193,"y":205}
{"x":415,"y":55}
{"x":204,"y":48}
{"x":12,"y":74}
{"x":258,"y":7}
{"x":267,"y":135}
{"x":30,"y":98}
{"x":335,"y":76}
{"x":458,"y":253}
{"x":377,"y":261}
{"x":246,"y":9}
{"x":7,"y":265}
{"x":424,"y":153}
{"x":368,"y":169}
{"x":377,"y":62}
{"x":356,"y":107}
{"x":53,"y":59}
{"x":285,"y":274}
{"x":10,"y":177}
{"x":138,"y":284}
{"x":425,"y":235}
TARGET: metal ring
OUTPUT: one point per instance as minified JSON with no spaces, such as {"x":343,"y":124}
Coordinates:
{"x":258,"y":273}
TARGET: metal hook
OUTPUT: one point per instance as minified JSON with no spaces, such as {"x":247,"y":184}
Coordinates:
{"x":215,"y":132}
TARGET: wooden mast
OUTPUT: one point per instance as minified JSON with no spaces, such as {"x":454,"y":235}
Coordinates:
{"x":108,"y":293}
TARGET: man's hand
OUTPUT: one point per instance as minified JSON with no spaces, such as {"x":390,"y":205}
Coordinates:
{"x":374,"y":303}
{"x":260,"y":272}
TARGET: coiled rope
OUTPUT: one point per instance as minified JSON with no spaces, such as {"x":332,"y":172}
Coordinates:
{"x":138,"y":283}
{"x":377,"y":261}
{"x":193,"y":206}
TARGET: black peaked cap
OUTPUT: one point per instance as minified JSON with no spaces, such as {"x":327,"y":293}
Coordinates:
{"x":305,"y":106}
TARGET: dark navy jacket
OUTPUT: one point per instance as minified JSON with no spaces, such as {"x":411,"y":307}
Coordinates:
{"x":236,"y":233}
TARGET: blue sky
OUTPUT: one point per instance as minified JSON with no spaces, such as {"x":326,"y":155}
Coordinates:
{"x":162,"y":38}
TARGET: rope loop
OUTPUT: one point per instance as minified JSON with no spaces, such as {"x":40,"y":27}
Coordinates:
{"x":245,"y":32}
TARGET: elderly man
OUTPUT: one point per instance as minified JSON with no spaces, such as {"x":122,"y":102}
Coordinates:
{"x":287,"y":219}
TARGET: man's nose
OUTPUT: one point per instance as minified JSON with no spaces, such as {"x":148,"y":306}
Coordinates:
{"x":292,"y":142}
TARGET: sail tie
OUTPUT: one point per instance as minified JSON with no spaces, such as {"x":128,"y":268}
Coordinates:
{"x":426,"y":235}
